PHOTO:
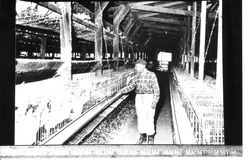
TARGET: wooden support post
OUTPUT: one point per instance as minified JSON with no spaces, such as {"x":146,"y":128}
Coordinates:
{"x":193,"y":38}
{"x":66,"y":39}
{"x":181,"y":51}
{"x":180,"y":59}
{"x":184,"y":46}
{"x":188,"y":40}
{"x":202,"y":40}
{"x":219,"y":67}
{"x":116,"y":44}
{"x":126,"y":49}
{"x":43,"y":47}
{"x":122,"y":48}
{"x":98,"y":36}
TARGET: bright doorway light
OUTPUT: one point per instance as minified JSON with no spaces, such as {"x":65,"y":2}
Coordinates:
{"x":164,"y":56}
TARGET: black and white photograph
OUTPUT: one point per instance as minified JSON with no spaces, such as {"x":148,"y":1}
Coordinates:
{"x":123,"y":79}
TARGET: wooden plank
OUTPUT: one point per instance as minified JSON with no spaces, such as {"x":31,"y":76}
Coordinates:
{"x":162,"y":10}
{"x":66,"y":39}
{"x":163,"y":20}
{"x":202,"y":40}
{"x":193,"y":37}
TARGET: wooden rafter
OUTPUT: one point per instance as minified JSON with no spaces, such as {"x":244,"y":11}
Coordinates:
{"x":129,"y":26}
{"x":104,"y":5}
{"x":148,"y":40}
{"x":121,"y":14}
{"x":143,"y":3}
{"x":162,"y":10}
{"x":163,"y":20}
{"x":129,"y":22}
{"x":136,"y":29}
{"x":147,"y":15}
{"x":171,"y":4}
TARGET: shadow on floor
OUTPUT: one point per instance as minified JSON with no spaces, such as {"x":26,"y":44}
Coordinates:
{"x":164,"y":93}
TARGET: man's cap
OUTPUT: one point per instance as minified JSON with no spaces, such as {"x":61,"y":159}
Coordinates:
{"x":141,"y":61}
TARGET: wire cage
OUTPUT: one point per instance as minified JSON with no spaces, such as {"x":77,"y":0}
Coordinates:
{"x":203,"y":109}
{"x":45,"y":108}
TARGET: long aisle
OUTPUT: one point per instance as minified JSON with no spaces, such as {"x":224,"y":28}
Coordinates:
{"x":129,"y":133}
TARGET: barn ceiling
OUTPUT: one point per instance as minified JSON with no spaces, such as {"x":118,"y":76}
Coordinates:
{"x":139,"y":21}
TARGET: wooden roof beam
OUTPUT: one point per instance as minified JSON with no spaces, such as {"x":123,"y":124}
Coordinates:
{"x":162,"y":10}
{"x":163,"y":20}
{"x":160,"y":5}
{"x":143,"y":3}
{"x":129,"y":22}
{"x":159,"y":9}
{"x":171,"y":4}
{"x":121,"y":14}
{"x":129,"y":26}
{"x":147,"y":15}
{"x":136,"y":29}
{"x":104,"y":5}
{"x":147,"y":40}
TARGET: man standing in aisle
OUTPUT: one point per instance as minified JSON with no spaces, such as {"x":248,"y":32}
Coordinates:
{"x":147,"y":95}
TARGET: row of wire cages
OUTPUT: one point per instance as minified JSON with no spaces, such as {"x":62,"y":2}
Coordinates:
{"x":203,"y":108}
{"x":47,"y":112}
